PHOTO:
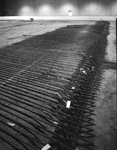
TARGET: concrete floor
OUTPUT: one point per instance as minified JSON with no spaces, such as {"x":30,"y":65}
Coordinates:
{"x":105,"y":119}
{"x":59,"y":17}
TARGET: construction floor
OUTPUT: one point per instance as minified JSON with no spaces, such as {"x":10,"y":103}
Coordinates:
{"x":38,"y":59}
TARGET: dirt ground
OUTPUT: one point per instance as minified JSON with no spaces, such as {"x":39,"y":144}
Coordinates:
{"x":105,"y":119}
{"x":106,"y":113}
{"x":15,"y":31}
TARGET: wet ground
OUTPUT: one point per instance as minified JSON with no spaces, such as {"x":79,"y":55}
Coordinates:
{"x":105,"y":118}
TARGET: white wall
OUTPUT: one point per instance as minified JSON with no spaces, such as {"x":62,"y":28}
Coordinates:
{"x":61,"y":7}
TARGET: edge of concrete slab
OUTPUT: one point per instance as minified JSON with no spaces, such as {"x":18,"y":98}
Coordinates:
{"x":58,"y":18}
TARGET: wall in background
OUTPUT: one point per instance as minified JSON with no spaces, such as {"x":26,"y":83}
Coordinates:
{"x":58,"y":7}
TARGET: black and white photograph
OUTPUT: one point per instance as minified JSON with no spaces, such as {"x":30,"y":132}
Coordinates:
{"x":58,"y":74}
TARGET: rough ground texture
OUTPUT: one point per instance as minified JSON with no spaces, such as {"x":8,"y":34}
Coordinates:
{"x":15,"y":31}
{"x":105,"y":119}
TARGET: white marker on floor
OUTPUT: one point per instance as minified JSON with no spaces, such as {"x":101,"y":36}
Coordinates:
{"x":46,"y":147}
{"x":68,"y":104}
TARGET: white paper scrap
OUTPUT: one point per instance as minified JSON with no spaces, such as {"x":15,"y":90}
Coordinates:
{"x":11,"y":124}
{"x":55,"y":122}
{"x":68,"y":104}
{"x":73,"y":87}
{"x":46,"y":147}
{"x":92,"y":68}
{"x":84,"y":72}
{"x":81,"y":69}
